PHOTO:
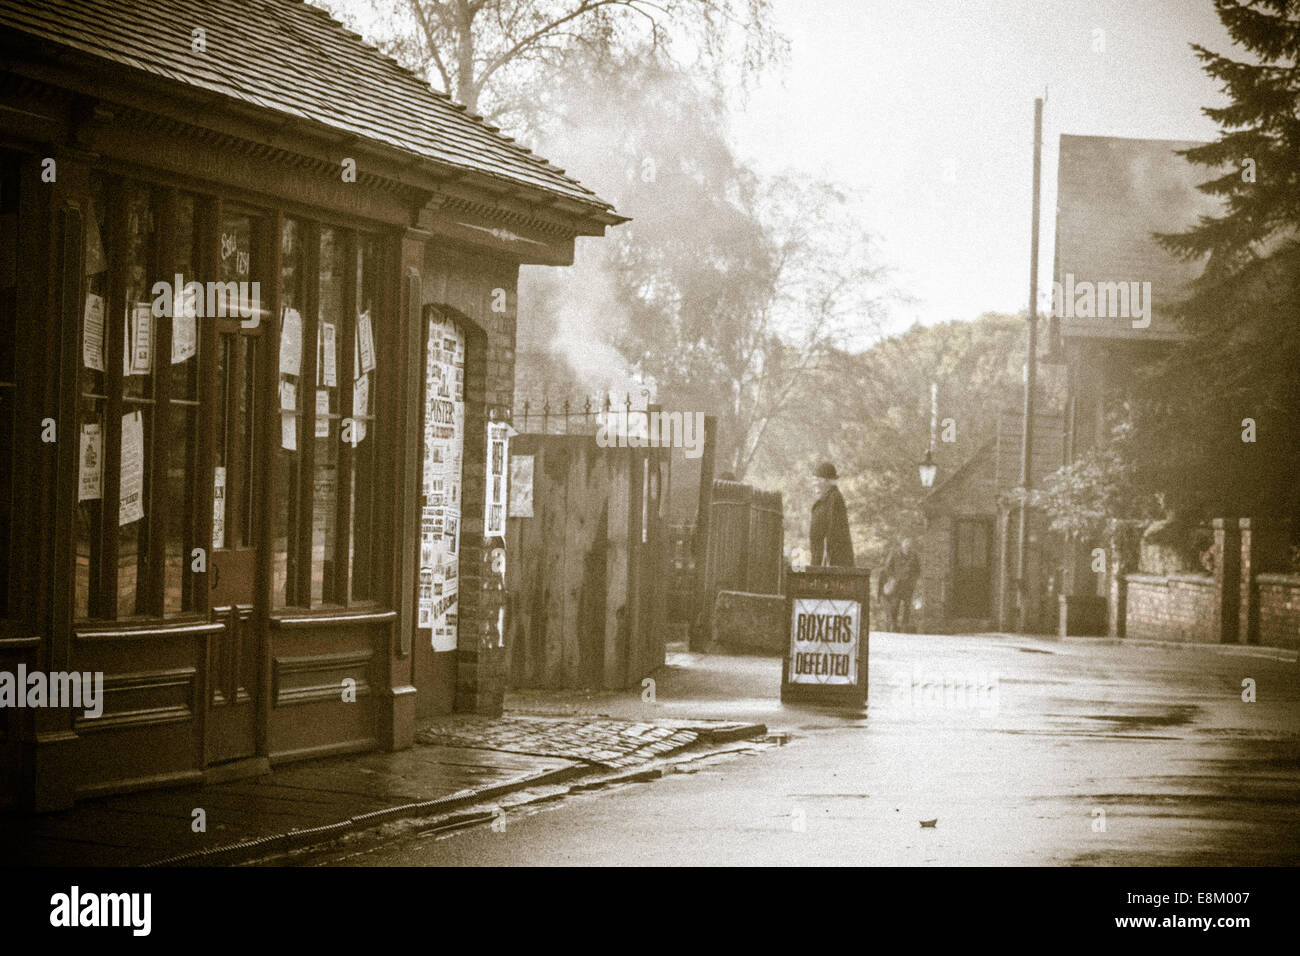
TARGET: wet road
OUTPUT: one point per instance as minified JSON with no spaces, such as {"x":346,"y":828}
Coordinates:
{"x":1025,"y":751}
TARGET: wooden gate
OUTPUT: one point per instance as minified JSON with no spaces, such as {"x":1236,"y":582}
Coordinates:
{"x":587,"y":571}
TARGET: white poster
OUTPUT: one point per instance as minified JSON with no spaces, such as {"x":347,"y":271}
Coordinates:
{"x":360,"y":407}
{"x":366,"y":342}
{"x":521,"y":487}
{"x":184,"y":326}
{"x":329,"y":356}
{"x":322,"y":413}
{"x":288,"y":397}
{"x":219,"y":507}
{"x":498,"y":452}
{"x":132,"y":492}
{"x":439,"y":537}
{"x":142,"y":339}
{"x":291,"y":343}
{"x":90,"y":486}
{"x":288,"y":431}
{"x":92,"y":343}
{"x":824,"y":641}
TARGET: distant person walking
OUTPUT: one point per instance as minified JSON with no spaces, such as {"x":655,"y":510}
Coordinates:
{"x":830,"y":544}
{"x":894,"y":587}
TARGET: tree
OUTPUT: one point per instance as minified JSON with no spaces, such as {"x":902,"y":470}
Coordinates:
{"x":869,"y":413}
{"x":490,"y":54}
{"x":1217,"y":421}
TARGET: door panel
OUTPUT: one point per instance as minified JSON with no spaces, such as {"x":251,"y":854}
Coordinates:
{"x":233,"y":654}
{"x":973,"y":567}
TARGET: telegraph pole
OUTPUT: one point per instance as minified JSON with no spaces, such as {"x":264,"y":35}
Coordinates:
{"x":1031,"y":357}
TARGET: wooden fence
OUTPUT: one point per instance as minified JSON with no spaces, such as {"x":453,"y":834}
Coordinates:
{"x":746,"y":540}
{"x":588,"y":572}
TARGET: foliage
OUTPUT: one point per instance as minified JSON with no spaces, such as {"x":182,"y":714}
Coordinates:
{"x":492,"y":55}
{"x":869,"y":413}
{"x":1192,"y":409}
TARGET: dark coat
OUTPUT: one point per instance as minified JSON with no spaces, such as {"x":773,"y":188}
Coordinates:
{"x":829,"y":539}
{"x":904,"y":569}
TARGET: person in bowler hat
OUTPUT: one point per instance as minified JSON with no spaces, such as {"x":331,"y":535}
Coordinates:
{"x":830,"y":544}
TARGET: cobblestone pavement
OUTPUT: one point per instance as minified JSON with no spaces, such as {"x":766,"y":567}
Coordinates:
{"x":600,"y":741}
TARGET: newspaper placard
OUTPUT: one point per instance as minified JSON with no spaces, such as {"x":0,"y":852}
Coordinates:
{"x":498,"y":452}
{"x":824,"y":641}
{"x":218,"y":507}
{"x":291,"y":343}
{"x":90,"y":484}
{"x":322,"y":413}
{"x":360,"y":407}
{"x":142,"y":339}
{"x":132,"y":491}
{"x":184,"y":325}
{"x":366,"y":342}
{"x":329,"y":355}
{"x":92,"y":341}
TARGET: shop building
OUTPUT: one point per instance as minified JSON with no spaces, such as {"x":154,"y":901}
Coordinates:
{"x":274,"y":524}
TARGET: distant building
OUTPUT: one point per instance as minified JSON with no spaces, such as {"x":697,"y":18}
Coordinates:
{"x":968,"y":548}
{"x":1113,"y":194}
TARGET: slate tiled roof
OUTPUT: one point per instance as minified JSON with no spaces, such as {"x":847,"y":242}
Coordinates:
{"x":291,"y":58}
{"x":1112,"y":194}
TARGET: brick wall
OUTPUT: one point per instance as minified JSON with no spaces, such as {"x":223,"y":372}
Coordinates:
{"x":1174,"y":608}
{"x":467,"y":283}
{"x":1279,"y":610}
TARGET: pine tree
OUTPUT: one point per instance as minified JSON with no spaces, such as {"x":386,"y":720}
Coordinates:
{"x":1243,"y":362}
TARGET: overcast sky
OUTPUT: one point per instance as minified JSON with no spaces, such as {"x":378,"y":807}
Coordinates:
{"x":887,"y":95}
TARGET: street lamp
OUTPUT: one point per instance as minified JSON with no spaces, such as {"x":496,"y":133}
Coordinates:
{"x":928,"y":468}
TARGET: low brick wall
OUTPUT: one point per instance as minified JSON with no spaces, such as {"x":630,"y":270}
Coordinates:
{"x":1174,"y":608}
{"x":750,"y":621}
{"x":1279,"y":610}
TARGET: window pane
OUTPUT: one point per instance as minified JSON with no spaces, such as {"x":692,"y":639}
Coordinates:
{"x":284,"y":559}
{"x":138,"y":367}
{"x":93,"y":452}
{"x":9,"y":245}
{"x":182,"y":452}
{"x":325,"y":489}
{"x":361,"y":480}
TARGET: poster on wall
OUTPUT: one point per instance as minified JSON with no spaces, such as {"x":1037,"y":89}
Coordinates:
{"x":521,"y":487}
{"x":90,"y":487}
{"x":92,"y":343}
{"x":218,"y":507}
{"x":132,"y":490}
{"x":498,"y":453}
{"x":440,"y":484}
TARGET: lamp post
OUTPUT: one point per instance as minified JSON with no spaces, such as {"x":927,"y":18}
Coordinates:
{"x":927,"y":469}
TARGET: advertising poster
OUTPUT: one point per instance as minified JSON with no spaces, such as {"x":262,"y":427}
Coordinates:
{"x":132,"y":491}
{"x":90,"y":486}
{"x":824,"y":641}
{"x":440,"y":484}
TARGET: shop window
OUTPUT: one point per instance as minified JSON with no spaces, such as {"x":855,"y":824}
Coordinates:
{"x":329,"y":363}
{"x":8,"y":370}
{"x":137,"y":504}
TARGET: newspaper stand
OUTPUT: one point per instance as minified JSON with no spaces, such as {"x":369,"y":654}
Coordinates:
{"x":827,"y":612}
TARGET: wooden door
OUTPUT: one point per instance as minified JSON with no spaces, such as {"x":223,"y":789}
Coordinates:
{"x":239,"y":494}
{"x":973,"y":567}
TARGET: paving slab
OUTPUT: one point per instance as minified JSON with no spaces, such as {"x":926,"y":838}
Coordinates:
{"x":456,"y":761}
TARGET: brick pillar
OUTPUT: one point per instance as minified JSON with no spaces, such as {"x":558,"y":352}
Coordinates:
{"x":1248,"y":608}
{"x":1227,"y":551}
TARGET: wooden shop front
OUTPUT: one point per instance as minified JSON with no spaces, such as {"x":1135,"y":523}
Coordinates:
{"x":257,"y":312}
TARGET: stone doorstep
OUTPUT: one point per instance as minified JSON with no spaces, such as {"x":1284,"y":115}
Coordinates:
{"x":708,"y":733}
